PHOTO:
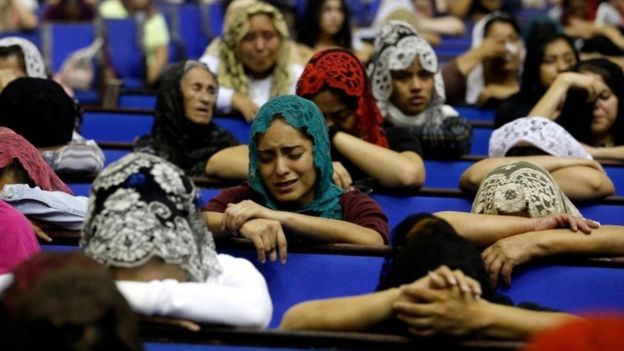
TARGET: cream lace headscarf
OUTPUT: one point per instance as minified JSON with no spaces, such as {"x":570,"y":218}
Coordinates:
{"x":231,"y":71}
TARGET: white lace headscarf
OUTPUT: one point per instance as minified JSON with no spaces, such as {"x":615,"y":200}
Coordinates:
{"x":396,"y":47}
{"x":143,"y":207}
{"x":538,"y":132}
{"x":35,"y":66}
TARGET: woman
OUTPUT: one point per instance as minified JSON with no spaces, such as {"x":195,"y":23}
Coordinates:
{"x":67,"y":300}
{"x":253,"y":63}
{"x":29,"y":184}
{"x":41,"y":111}
{"x":488,"y":72}
{"x":290,"y":187}
{"x":324,"y":24}
{"x":549,"y":56}
{"x":543,"y":142}
{"x":591,"y":109}
{"x":183,"y":131}
{"x":22,"y":57}
{"x":336,"y":81}
{"x":144,"y":224}
{"x":418,"y":293}
{"x":408,"y":86}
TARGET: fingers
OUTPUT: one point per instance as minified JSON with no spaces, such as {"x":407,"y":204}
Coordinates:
{"x":494,"y":269}
{"x":413,"y":309}
{"x":506,"y":271}
{"x":40,"y":233}
{"x":282,"y":245}
{"x":260,"y":249}
{"x":341,"y":176}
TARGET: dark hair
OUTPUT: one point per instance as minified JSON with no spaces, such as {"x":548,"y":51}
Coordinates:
{"x":577,"y":114}
{"x":531,"y":87}
{"x":501,"y":18}
{"x":14,"y":50}
{"x":423,"y":242}
{"x":309,"y":29}
{"x":17,"y":171}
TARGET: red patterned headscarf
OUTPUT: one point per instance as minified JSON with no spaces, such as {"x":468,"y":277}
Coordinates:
{"x":341,"y":70}
{"x":14,"y":146}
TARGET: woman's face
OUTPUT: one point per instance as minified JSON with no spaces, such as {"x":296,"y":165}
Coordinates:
{"x":412,"y":88}
{"x":558,"y":58}
{"x":505,"y":33}
{"x":199,"y":90}
{"x":286,"y":163}
{"x":332,"y":17}
{"x":336,"y":111}
{"x":258,"y":48}
{"x":605,"y":111}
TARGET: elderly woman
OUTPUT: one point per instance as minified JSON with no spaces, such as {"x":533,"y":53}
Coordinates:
{"x":144,"y":224}
{"x":290,"y":188}
{"x":183,"y":131}
{"x":336,"y":81}
{"x":408,"y":86}
{"x":253,"y":63}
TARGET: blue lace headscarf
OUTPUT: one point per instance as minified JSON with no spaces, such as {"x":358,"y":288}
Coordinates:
{"x":304,"y":116}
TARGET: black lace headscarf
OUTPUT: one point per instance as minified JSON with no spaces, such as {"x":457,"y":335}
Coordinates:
{"x":174,"y":137}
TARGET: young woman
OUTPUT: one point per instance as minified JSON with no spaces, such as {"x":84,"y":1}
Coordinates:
{"x":184,"y":133}
{"x":290,"y":190}
{"x":336,"y":81}
{"x":488,"y":72}
{"x":253,"y":63}
{"x":408,"y":86}
{"x":547,"y":57}
{"x":591,"y":111}
{"x":144,"y":224}
{"x":324,"y":24}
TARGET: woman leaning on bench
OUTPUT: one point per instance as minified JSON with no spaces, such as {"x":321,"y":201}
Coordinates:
{"x":290,"y":187}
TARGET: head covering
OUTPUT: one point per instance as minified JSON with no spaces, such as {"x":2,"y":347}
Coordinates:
{"x":35,"y":66}
{"x":475,"y":80}
{"x":17,"y":239}
{"x":304,"y":116}
{"x":39,"y":110}
{"x":174,"y":137}
{"x":538,"y":132}
{"x":396,"y":47}
{"x":67,"y":299}
{"x":598,"y":333}
{"x":339,"y":69}
{"x":14,"y":147}
{"x":143,"y":207}
{"x":521,"y":186}
{"x":231,"y":71}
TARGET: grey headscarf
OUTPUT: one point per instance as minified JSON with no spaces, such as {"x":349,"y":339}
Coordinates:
{"x":142,"y":207}
{"x":35,"y":66}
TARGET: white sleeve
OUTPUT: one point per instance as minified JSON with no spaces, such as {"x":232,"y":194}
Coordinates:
{"x":65,"y":210}
{"x":237,"y":297}
{"x":224,"y":97}
{"x":5,"y":281}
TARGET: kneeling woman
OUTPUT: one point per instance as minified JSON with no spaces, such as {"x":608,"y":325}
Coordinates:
{"x":290,"y":187}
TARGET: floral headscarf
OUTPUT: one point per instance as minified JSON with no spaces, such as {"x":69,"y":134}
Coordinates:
{"x":231,"y":71}
{"x":186,"y":144}
{"x":521,"y":186}
{"x":14,"y":147}
{"x":339,"y":69}
{"x":304,"y":116}
{"x":142,"y":207}
{"x":35,"y":66}
{"x":396,"y":47}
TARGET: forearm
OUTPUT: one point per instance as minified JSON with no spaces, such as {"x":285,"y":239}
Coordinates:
{"x":161,"y":57}
{"x":213,"y":221}
{"x":326,"y":229}
{"x":512,"y":323}
{"x":608,"y":153}
{"x":229,"y":163}
{"x":469,"y":60}
{"x":391,"y":168}
{"x":583,"y":183}
{"x":608,"y":240}
{"x":548,"y":105}
{"x":459,"y":8}
{"x":357,"y":313}
{"x":482,"y":230}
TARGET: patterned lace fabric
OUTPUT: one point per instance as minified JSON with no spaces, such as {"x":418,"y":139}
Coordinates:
{"x":341,"y":70}
{"x":538,"y":132}
{"x":521,"y":188}
{"x":14,"y":147}
{"x":143,"y":207}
